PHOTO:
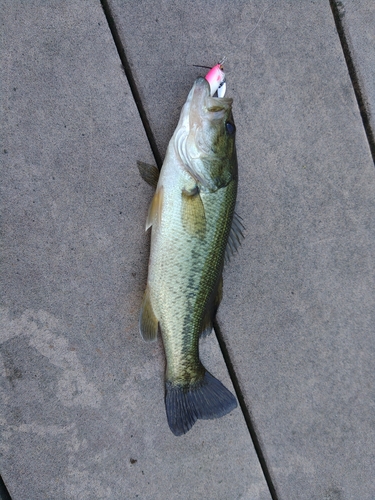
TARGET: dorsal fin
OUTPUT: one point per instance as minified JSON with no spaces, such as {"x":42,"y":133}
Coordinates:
{"x":149,"y":173}
{"x":235,"y":237}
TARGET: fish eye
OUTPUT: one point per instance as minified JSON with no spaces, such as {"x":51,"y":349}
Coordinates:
{"x":230,"y":128}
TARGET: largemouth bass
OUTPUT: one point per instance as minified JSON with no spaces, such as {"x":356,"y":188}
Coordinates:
{"x":192,"y":217}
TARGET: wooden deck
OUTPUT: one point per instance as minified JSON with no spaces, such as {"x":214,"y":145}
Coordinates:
{"x":89,"y":88}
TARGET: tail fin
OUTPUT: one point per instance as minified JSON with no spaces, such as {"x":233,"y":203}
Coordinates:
{"x":206,"y":399}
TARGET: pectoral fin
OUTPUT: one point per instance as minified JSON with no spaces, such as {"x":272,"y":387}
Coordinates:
{"x":148,"y":323}
{"x":193,"y":214}
{"x":154,"y":212}
{"x":149,"y":173}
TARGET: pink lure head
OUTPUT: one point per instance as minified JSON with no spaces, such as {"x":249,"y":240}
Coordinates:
{"x":216,"y":79}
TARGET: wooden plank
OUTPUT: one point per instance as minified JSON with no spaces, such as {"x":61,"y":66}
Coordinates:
{"x":356,"y":24}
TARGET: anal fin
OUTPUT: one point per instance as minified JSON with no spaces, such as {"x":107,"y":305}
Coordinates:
{"x":148,"y":323}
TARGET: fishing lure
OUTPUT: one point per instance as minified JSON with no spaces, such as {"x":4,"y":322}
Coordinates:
{"x":216,"y":79}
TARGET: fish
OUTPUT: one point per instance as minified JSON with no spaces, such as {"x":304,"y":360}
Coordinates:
{"x":194,"y":230}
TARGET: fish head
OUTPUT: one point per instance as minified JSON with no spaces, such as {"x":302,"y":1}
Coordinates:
{"x":205,"y":137}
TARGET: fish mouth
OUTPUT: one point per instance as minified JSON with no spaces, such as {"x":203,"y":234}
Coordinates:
{"x":200,"y":107}
{"x":203,"y":106}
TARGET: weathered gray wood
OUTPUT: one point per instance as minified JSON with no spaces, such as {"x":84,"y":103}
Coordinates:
{"x":82,"y":410}
{"x":358,"y":22}
{"x":299,"y":300}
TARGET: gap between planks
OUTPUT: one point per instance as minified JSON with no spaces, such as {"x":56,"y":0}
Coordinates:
{"x":337,"y":12}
